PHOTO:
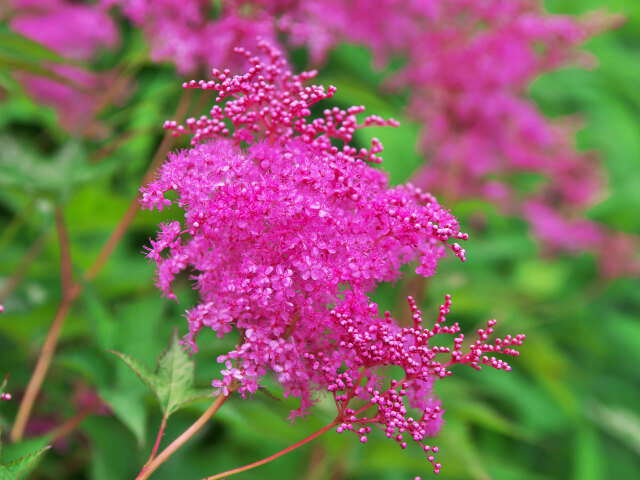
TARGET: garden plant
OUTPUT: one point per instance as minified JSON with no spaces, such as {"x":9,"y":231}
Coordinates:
{"x":221,"y":223}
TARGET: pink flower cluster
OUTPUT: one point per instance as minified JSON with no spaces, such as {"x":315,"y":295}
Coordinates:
{"x":482,"y":131}
{"x":361,"y":345}
{"x":182,"y":31}
{"x":468,"y":64}
{"x":285,"y":235}
{"x":75,"y":32}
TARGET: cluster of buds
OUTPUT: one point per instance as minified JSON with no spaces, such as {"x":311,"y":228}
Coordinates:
{"x":407,"y":410}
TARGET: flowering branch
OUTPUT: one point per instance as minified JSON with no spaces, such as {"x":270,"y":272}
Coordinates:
{"x":279,"y":223}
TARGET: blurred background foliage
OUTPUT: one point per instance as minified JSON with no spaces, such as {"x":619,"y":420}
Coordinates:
{"x":568,"y":410}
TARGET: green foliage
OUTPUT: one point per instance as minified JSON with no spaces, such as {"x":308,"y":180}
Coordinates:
{"x":172,"y":383}
{"x":17,"y":468}
{"x":55,"y":175}
{"x":568,"y":409}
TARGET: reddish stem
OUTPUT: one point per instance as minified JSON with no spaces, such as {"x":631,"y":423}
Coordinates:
{"x":70,"y":425}
{"x":178,"y":442}
{"x":275,"y":455}
{"x":156,"y":445}
{"x":71,"y":291}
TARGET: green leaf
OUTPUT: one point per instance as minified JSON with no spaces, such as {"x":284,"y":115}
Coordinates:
{"x":15,"y":469}
{"x":175,"y":376}
{"x":128,"y":406}
{"x":13,"y":43}
{"x":140,"y":369}
{"x":23,"y":168}
{"x":112,"y":452}
{"x":619,"y":422}
{"x":173,"y":381}
{"x":12,"y":63}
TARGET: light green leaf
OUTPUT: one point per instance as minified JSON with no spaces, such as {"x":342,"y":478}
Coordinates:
{"x":140,"y":369}
{"x":173,"y":381}
{"x":128,"y":407}
{"x":174,"y":378}
{"x":621,"y":423}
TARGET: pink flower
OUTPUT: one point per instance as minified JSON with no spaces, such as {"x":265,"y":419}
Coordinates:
{"x":466,"y":63}
{"x":74,"y":32}
{"x":70,"y":29}
{"x":274,"y":232}
{"x":287,"y":235}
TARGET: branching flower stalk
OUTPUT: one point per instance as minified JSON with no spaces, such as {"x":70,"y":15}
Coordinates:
{"x":390,"y":412}
{"x":287,"y":229}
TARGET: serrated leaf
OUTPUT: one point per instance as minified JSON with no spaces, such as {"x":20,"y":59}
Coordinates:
{"x":140,"y":369}
{"x":14,"y":470}
{"x":174,"y":377}
{"x":173,"y":381}
{"x":20,"y":466}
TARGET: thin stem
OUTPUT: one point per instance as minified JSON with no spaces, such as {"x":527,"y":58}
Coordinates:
{"x":69,"y":293}
{"x":345,"y":403}
{"x":12,"y":282}
{"x":275,"y":455}
{"x":66,"y":268}
{"x":71,"y":290}
{"x":40,"y":371}
{"x":42,"y":365}
{"x":156,"y":445}
{"x":70,"y":425}
{"x":181,"y":440}
{"x":158,"y":439}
